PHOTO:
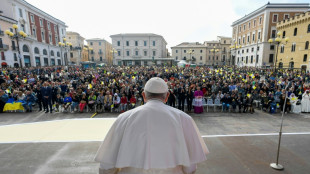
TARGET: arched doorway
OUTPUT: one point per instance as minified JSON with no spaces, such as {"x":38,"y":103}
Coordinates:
{"x":280,"y":65}
{"x":291,"y":65}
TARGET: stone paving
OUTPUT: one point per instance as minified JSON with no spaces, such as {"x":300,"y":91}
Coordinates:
{"x":235,"y":154}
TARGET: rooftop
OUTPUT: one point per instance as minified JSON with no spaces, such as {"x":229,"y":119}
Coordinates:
{"x":190,"y":44}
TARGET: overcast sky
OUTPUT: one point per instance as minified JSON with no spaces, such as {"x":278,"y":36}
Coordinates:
{"x":176,"y":20}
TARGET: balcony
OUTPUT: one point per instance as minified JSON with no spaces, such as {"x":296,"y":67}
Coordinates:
{"x":1,"y":33}
{"x":4,"y":47}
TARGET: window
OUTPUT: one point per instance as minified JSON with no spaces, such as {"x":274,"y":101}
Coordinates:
{"x":22,"y":27}
{"x":100,"y":58}
{"x":293,"y":47}
{"x":286,"y":16}
{"x":52,"y":53}
{"x":295,"y":32}
{"x":251,"y":59}
{"x":257,"y":57}
{"x":308,"y":31}
{"x":282,"y":49}
{"x":50,"y":38}
{"x":224,"y":41}
{"x":176,"y":51}
{"x":99,"y":43}
{"x":200,"y":51}
{"x":291,"y":65}
{"x":25,"y":49}
{"x":200,"y":57}
{"x":49,"y":26}
{"x":254,"y":23}
{"x":32,"y":18}
{"x":239,"y":41}
{"x":271,"y":47}
{"x":252,"y":49}
{"x":55,"y":28}
{"x":184,"y":51}
{"x":92,"y":59}
{"x":249,"y":25}
{"x":118,"y":43}
{"x":243,"y":40}
{"x":176,"y":58}
{"x":305,"y":58}
{"x":20,"y":12}
{"x":145,"y":53}
{"x":42,"y":35}
{"x":62,"y":31}
{"x":217,"y":57}
{"x":260,"y":20}
{"x":242,"y":51}
{"x":154,"y":53}
{"x":209,"y":57}
{"x":154,"y":43}
{"x":56,"y":39}
{"x":247,"y":50}
{"x":248,"y":40}
{"x":258,"y":36}
{"x":58,"y":54}
{"x":244,"y":27}
{"x":44,"y":52}
{"x":253,"y":37}
{"x":15,"y":57}
{"x":127,"y":53}
{"x":36,"y":50}
{"x":119,"y":53}
{"x":127,"y":43}
{"x":137,"y":53}
{"x":41,"y":23}
{"x":273,"y":34}
{"x":145,"y":43}
{"x":275,"y":18}
{"x":270,"y":58}
{"x":136,"y":43}
{"x":258,"y":48}
{"x":283,"y":34}
{"x":34,"y":33}
{"x":71,"y":55}
{"x":91,"y":43}
{"x":307,"y":45}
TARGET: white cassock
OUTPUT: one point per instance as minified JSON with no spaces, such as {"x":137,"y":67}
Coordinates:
{"x":153,"y":138}
{"x":305,"y":103}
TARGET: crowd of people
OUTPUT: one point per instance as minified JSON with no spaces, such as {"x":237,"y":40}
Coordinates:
{"x":76,"y":89}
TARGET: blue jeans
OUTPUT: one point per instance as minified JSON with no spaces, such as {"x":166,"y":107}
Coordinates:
{"x":26,"y":105}
{"x":225,"y":106}
{"x":74,"y":105}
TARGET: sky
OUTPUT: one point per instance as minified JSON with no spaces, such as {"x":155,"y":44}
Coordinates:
{"x":176,"y":20}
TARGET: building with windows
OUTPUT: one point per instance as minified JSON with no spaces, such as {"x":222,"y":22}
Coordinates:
{"x":251,"y":33}
{"x":44,"y":32}
{"x":7,"y":56}
{"x":139,"y":49}
{"x":294,"y":53}
{"x":192,"y":52}
{"x":77,"y":42}
{"x":218,"y":51}
{"x":101,"y":51}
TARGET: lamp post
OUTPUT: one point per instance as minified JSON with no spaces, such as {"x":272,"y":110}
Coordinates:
{"x":214,"y":51}
{"x":17,"y":35}
{"x":64,"y":44}
{"x":277,"y":41}
{"x":113,"y":51}
{"x":190,"y":52}
{"x":235,"y":47}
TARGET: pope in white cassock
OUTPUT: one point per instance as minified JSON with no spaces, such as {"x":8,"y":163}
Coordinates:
{"x":152,"y":139}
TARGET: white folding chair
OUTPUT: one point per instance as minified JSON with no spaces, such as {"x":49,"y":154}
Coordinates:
{"x":209,"y":103}
{"x":217,"y":102}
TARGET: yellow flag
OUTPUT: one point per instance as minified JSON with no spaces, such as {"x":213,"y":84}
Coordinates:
{"x":90,"y":86}
{"x":25,"y":80}
{"x":101,"y":83}
{"x":254,"y":87}
{"x":133,"y":77}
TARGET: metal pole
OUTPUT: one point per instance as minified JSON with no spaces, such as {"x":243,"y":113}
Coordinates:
{"x":275,"y":64}
{"x":276,"y":165}
{"x":18,"y":49}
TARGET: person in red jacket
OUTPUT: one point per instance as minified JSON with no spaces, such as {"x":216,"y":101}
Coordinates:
{"x":124,"y":102}
{"x":133,"y":102}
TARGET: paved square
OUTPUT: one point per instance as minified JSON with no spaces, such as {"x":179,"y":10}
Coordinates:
{"x":238,"y":143}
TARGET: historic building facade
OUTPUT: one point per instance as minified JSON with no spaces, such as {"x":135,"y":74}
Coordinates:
{"x":295,"y":52}
{"x":250,"y":34}
{"x":40,"y":47}
{"x":101,"y":51}
{"x":192,"y":52}
{"x":139,"y":49}
{"x":218,"y":51}
{"x":77,"y":42}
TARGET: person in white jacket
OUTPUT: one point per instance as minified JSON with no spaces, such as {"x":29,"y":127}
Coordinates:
{"x":305,"y":102}
{"x":153,"y":138}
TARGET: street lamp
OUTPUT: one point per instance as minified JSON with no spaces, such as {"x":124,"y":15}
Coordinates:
{"x":17,"y":35}
{"x":64,"y":44}
{"x":214,"y":51}
{"x":277,"y":41}
{"x":113,"y":51}
{"x":190,"y":52}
